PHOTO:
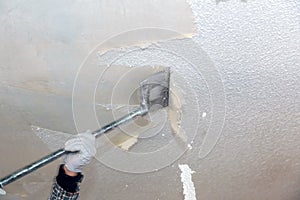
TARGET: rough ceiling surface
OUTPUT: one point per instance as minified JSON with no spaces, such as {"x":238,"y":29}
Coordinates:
{"x":231,"y":132}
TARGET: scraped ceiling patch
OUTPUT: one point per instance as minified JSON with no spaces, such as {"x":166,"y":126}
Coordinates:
{"x":43,"y":42}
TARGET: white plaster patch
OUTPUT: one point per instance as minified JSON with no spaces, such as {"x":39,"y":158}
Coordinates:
{"x":188,"y":185}
{"x":53,"y":139}
{"x":128,"y":143}
{"x":2,"y":192}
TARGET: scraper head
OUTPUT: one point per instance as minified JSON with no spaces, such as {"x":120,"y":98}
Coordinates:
{"x":155,"y":91}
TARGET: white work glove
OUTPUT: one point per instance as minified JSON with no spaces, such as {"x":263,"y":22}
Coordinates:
{"x":85,"y":144}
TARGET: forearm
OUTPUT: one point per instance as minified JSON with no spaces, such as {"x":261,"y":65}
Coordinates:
{"x":69,"y":175}
{"x":68,"y":172}
{"x":66,"y":185}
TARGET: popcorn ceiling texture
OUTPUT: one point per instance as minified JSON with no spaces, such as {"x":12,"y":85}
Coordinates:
{"x":255,"y":47}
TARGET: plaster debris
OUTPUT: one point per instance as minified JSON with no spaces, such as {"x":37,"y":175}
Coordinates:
{"x":128,"y":143}
{"x":123,"y":140}
{"x":188,"y":185}
{"x":53,"y":139}
{"x":175,"y":110}
{"x":204,"y":114}
{"x":113,"y":106}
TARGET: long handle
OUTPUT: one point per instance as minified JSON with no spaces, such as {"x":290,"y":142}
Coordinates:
{"x":32,"y":167}
{"x":53,"y":156}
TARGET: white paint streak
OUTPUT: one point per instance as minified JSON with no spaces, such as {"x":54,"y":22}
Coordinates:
{"x":188,"y":185}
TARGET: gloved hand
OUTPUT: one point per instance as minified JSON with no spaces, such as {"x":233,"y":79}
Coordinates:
{"x":85,"y":144}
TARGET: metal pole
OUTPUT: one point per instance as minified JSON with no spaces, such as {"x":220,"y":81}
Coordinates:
{"x":53,"y":156}
{"x":32,"y":167}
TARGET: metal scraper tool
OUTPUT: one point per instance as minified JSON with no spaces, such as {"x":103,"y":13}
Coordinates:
{"x":154,"y":95}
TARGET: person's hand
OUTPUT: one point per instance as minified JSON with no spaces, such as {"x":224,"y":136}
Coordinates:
{"x":84,"y":143}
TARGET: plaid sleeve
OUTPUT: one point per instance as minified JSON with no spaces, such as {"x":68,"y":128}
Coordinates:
{"x":58,"y":193}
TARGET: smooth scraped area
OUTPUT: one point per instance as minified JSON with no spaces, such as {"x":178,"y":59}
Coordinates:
{"x":54,"y":37}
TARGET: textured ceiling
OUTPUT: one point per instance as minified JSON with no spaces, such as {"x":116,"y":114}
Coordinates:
{"x":240,"y":77}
